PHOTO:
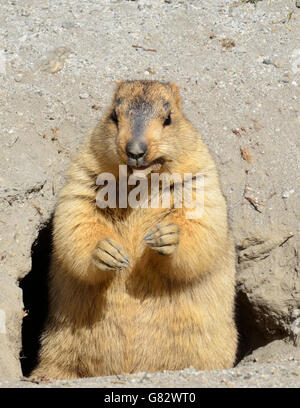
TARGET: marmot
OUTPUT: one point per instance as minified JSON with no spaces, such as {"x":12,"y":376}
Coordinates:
{"x":139,"y":289}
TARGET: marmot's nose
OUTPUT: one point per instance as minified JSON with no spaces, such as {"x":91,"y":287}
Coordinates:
{"x":136,"y":149}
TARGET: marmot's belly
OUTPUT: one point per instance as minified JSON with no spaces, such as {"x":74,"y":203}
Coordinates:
{"x":142,"y":336}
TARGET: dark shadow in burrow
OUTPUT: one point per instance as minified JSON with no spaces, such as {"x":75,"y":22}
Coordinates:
{"x":252,"y":335}
{"x":35,"y":298}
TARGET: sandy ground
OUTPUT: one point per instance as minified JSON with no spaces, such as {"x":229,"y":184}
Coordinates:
{"x":238,"y":68}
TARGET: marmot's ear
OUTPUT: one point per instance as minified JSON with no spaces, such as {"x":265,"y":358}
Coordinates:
{"x":175,"y":90}
{"x":118,"y":84}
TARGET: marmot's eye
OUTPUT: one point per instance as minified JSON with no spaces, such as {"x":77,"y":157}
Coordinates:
{"x":167,"y":121}
{"x":114,"y":117}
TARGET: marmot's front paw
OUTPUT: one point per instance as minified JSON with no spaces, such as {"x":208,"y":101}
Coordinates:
{"x":164,"y":238}
{"x":109,"y":255}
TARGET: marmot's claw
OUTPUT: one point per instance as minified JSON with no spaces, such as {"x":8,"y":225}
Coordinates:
{"x":109,"y":255}
{"x":164,"y":238}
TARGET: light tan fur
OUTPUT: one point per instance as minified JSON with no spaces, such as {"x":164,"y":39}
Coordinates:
{"x":161,"y":312}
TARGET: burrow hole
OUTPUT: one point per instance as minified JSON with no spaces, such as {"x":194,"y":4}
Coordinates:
{"x":35,"y":299}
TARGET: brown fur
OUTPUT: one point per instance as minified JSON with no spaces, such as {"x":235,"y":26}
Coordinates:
{"x":161,"y":312}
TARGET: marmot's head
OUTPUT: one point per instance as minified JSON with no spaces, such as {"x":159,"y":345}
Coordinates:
{"x":147,"y":125}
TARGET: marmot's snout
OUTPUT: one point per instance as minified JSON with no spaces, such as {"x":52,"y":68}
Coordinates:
{"x":136,"y":152}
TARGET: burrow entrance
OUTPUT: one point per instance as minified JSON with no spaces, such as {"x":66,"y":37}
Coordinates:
{"x":35,"y":298}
